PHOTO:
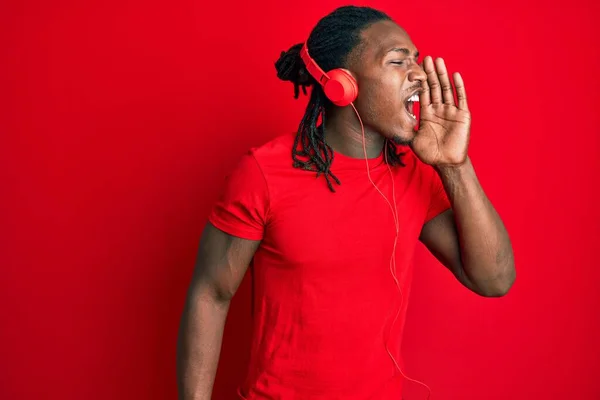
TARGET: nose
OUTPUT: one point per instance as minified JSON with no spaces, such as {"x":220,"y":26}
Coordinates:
{"x":416,"y":73}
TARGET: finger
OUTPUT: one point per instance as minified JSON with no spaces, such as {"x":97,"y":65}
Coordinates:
{"x":447,"y":93}
{"x":461,"y":93}
{"x":432,"y":80}
{"x":424,"y":97}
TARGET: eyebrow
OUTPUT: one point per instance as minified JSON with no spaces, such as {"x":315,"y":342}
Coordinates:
{"x":403,"y":50}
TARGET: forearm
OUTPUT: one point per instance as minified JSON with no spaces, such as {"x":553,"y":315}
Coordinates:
{"x":199,"y":345}
{"x":486,"y":251}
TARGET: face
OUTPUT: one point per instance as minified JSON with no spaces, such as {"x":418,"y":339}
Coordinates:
{"x":389,"y":79}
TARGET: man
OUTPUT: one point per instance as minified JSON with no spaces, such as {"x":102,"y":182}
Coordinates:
{"x":328,"y":219}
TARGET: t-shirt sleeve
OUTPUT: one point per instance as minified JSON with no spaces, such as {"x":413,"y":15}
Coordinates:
{"x":438,"y":200}
{"x":241,"y":209}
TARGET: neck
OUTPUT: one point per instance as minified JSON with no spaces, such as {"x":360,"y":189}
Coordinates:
{"x":343,"y":133}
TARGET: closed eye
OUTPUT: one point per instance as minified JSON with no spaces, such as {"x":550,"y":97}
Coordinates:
{"x":398,"y":62}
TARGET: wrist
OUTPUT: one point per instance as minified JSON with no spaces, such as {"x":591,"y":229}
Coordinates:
{"x":453,"y":169}
{"x":456,"y":176}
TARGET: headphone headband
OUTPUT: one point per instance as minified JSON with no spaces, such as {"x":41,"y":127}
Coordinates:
{"x":338,"y":84}
{"x":312,"y":67}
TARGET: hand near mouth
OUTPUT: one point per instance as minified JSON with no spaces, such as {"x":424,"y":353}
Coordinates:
{"x":444,"y":127}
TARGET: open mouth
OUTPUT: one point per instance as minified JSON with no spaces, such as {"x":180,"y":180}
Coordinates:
{"x":409,"y":105}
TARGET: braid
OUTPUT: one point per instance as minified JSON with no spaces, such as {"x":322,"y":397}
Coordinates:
{"x":393,"y":157}
{"x":330,"y":42}
{"x":310,"y":152}
{"x":288,"y":69}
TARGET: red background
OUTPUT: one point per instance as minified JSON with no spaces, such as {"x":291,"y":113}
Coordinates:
{"x":119,"y":119}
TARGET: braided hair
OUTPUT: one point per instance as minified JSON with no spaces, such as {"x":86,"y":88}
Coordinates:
{"x":330,"y":43}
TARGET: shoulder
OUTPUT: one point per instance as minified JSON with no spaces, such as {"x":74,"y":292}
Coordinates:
{"x":274,"y":152}
{"x":252,"y":170}
{"x":257,"y":159}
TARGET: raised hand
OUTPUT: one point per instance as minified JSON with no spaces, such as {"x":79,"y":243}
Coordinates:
{"x":444,"y":127}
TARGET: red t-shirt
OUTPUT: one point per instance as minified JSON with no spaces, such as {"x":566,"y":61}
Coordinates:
{"x":324,"y":295}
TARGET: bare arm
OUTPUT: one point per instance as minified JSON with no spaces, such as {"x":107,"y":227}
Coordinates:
{"x":221,"y":265}
{"x":470,"y":240}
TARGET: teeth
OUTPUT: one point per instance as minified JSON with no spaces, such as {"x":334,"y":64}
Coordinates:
{"x":414,"y":117}
{"x":414,"y":97}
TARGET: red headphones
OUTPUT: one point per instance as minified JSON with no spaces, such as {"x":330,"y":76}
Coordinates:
{"x":338,"y":84}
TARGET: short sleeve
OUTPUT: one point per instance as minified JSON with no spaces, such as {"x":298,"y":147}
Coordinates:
{"x":242,"y":206}
{"x":438,"y":200}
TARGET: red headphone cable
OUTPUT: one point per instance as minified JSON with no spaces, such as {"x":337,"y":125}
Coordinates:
{"x":394,"y":210}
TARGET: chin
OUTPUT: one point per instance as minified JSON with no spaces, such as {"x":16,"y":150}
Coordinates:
{"x":404,"y":138}
{"x":402,"y":130}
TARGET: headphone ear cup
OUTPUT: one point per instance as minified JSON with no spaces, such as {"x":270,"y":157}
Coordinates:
{"x":351,"y":85}
{"x":341,"y":88}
